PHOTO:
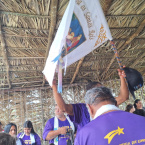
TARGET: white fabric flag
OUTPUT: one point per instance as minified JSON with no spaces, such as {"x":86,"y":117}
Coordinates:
{"x":82,"y":29}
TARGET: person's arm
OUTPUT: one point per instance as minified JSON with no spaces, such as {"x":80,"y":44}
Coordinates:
{"x":68,"y":108}
{"x":124,"y":92}
{"x":49,"y":133}
{"x":54,"y":133}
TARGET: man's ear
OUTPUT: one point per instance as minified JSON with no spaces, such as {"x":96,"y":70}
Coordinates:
{"x":90,"y":109}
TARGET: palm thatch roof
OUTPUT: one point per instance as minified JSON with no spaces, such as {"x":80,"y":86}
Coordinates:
{"x":28,"y":28}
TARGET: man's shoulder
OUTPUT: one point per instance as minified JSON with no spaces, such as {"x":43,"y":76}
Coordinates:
{"x":50,"y":121}
{"x":118,"y":117}
{"x":101,"y":119}
{"x":80,"y":107}
{"x":104,"y":119}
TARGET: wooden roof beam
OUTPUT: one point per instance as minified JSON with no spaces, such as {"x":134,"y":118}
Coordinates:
{"x":138,"y":59}
{"x":35,"y":29}
{"x":54,"y":5}
{"x":105,"y":9}
{"x":5,"y":57}
{"x":23,"y":71}
{"x":25,"y":36}
{"x":16,"y":89}
{"x":22,"y":29}
{"x":26,"y":57}
{"x":77,"y":69}
{"x":132,"y":37}
{"x":24,"y":65}
{"x":127,"y":15}
{"x":106,"y":6}
{"x":23,"y":48}
{"x":24,"y":15}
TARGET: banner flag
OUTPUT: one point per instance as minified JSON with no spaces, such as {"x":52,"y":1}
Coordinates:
{"x":82,"y":29}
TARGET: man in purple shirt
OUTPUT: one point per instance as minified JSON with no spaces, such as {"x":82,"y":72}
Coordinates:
{"x":57,"y":128}
{"x":78,"y":113}
{"x":109,"y":125}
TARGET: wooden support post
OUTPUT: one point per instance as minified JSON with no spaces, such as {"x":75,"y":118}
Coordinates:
{"x":54,"y":4}
{"x":42,"y":111}
{"x":4,"y":52}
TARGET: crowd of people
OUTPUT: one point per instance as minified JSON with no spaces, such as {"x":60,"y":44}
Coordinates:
{"x":97,"y":122}
{"x":27,"y":137}
{"x":136,"y":108}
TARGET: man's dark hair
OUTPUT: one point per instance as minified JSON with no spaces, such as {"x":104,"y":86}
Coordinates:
{"x":6,"y":139}
{"x":91,"y":85}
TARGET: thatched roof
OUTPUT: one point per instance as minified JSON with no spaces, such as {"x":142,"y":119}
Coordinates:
{"x":28,"y":28}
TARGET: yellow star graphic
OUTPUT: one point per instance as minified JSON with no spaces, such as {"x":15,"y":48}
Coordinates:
{"x":113,"y":133}
{"x":120,"y":130}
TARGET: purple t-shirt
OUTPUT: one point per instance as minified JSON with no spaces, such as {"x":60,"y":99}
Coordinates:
{"x":113,"y":128}
{"x":27,"y":139}
{"x":81,"y":115}
{"x":62,"y":139}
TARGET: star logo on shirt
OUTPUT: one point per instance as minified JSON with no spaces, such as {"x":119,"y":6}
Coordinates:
{"x":113,"y":133}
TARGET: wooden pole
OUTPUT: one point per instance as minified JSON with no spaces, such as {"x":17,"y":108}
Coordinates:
{"x":4,"y":52}
{"x":54,"y":4}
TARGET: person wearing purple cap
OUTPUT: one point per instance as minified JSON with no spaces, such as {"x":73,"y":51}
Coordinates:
{"x":110,"y":125}
{"x":78,"y":113}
